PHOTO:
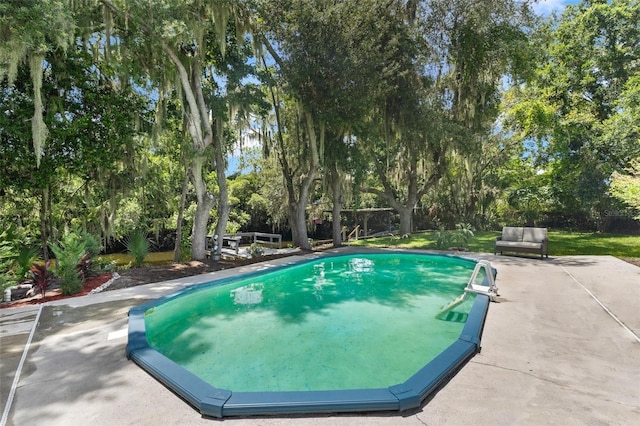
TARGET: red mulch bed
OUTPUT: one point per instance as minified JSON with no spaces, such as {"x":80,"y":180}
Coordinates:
{"x":144,"y":275}
{"x":56,"y":293}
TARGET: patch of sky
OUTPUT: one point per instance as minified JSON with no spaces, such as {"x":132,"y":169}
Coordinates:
{"x":246,"y":148}
{"x":547,"y":7}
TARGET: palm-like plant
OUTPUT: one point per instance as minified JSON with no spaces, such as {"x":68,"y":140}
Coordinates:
{"x":68,"y":253}
{"x":138,"y":246}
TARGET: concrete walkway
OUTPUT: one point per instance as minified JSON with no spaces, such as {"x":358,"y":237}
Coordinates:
{"x":560,"y":346}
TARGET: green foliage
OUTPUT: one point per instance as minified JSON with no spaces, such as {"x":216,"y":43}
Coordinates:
{"x":459,"y":237}
{"x":24,"y":260}
{"x":88,"y":163}
{"x":255,"y":250}
{"x":138,"y":245}
{"x":579,"y":113}
{"x":70,"y":280}
{"x":73,"y":259}
{"x":443,"y":239}
{"x":185,"y":246}
{"x":15,"y":258}
{"x":248,"y":206}
{"x":413,"y":119}
{"x":7,"y":256}
{"x":185,"y":253}
{"x":102,"y":264}
{"x":626,"y":186}
{"x":27,"y":34}
{"x":69,"y":252}
{"x":238,"y":219}
{"x":91,"y":244}
{"x":266,"y":205}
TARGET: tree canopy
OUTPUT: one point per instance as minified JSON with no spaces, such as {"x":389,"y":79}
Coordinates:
{"x":119,"y":116}
{"x":579,"y":106}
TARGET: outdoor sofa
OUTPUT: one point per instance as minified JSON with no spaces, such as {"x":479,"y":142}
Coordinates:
{"x":523,"y":239}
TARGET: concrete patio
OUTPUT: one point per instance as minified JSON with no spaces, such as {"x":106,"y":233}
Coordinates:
{"x":560,"y":346}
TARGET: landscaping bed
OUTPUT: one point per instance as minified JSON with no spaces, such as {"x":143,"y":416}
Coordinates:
{"x":157,"y":273}
{"x":144,"y":275}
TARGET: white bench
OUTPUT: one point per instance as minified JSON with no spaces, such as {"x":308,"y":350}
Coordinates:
{"x":263,"y":238}
{"x":232,"y":241}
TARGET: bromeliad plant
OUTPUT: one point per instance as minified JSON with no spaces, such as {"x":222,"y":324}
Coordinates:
{"x":42,"y":276}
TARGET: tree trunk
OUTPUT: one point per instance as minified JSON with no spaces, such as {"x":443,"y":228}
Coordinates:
{"x":200,"y":225}
{"x":183,"y":200}
{"x":336,"y":226}
{"x":205,"y":202}
{"x":298,"y":218}
{"x":405,"y":214}
{"x":43,"y":224}
{"x":298,"y":223}
{"x":414,"y":191}
{"x":196,"y":116}
{"x":403,"y":207}
{"x":223,"y":197}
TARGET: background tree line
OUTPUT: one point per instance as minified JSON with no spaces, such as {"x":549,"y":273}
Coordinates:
{"x":120,"y":116}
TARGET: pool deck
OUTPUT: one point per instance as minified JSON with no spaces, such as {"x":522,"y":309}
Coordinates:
{"x":560,"y":346}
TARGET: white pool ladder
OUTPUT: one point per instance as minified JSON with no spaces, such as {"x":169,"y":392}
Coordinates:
{"x":488,"y":285}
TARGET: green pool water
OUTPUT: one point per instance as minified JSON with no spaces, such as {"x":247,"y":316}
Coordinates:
{"x":342,"y":322}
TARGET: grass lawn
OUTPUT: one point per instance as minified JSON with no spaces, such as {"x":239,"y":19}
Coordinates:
{"x":156,"y":258}
{"x":561,"y":243}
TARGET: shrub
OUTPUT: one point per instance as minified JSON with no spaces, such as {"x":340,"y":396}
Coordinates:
{"x":42,"y":276}
{"x":92,"y":248}
{"x":463,"y":234}
{"x":69,"y":253}
{"x":7,"y":256}
{"x":185,"y":247}
{"x":443,"y":239}
{"x":459,"y":237}
{"x":24,"y":261}
{"x":8,"y":253}
{"x":255,"y":250}
{"x":137,"y":245}
{"x":70,"y":281}
{"x":91,"y":244}
{"x":100,"y":264}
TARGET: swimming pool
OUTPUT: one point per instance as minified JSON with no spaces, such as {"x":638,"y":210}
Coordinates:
{"x":356,"y":332}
